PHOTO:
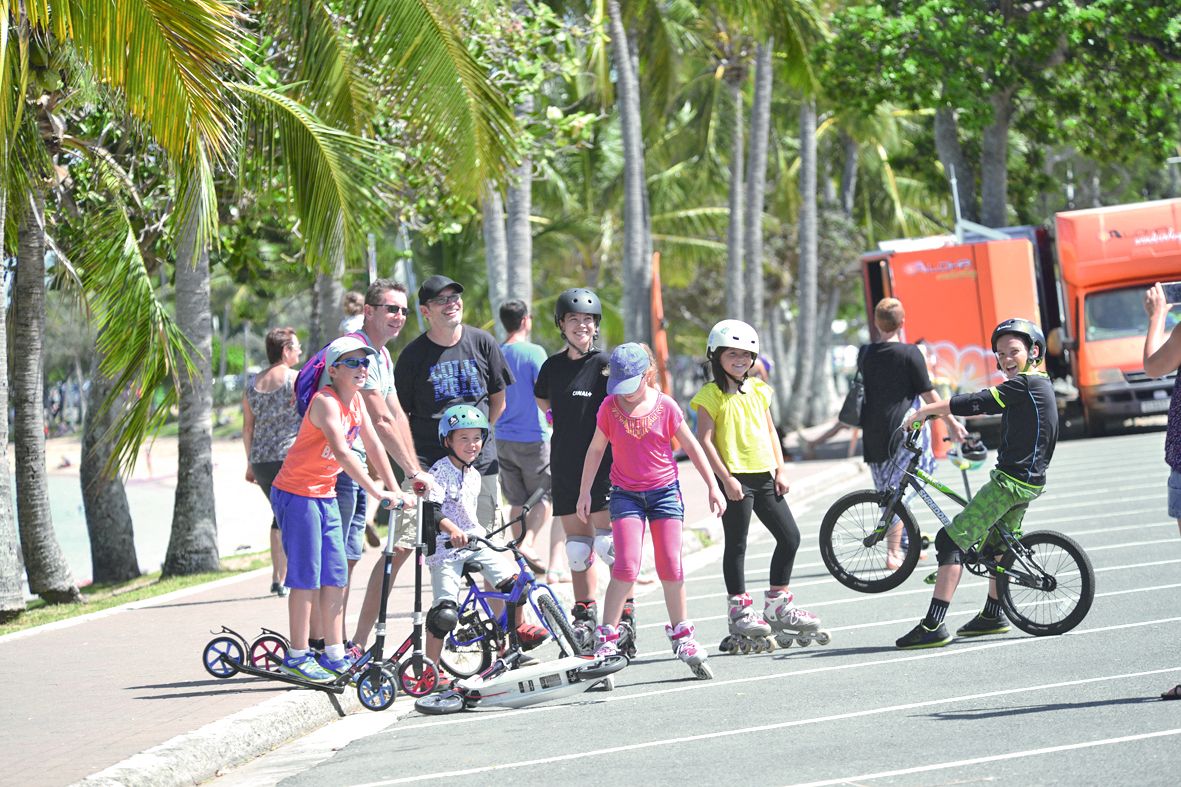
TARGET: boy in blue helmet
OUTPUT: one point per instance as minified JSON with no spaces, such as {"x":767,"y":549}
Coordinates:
{"x":1029,"y":431}
{"x":452,"y":503}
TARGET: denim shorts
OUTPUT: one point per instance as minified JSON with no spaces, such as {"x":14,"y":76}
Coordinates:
{"x":350,"y":499}
{"x":1175,"y":494}
{"x":662,"y":503}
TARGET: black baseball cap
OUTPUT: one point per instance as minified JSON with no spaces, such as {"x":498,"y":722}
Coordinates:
{"x":435,"y":285}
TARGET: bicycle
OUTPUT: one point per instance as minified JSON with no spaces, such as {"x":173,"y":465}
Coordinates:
{"x":1044,"y":579}
{"x":482,"y":633}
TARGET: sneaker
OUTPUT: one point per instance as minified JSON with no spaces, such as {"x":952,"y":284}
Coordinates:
{"x":279,"y":589}
{"x":337,"y":667}
{"x":922,"y":637}
{"x":531,"y":636}
{"x":306,"y":667}
{"x":353,"y":651}
{"x":979,"y":626}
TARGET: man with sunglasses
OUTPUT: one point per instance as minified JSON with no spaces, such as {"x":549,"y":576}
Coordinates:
{"x":450,"y":364}
{"x":384,"y":316}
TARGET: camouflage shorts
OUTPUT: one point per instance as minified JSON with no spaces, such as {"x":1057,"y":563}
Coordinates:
{"x":1002,"y":499}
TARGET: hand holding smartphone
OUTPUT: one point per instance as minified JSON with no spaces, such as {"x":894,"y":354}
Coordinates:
{"x":1172,"y":291}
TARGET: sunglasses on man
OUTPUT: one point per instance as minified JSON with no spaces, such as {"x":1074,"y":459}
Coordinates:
{"x":352,"y":363}
{"x":444,"y":300}
{"x":391,"y":308}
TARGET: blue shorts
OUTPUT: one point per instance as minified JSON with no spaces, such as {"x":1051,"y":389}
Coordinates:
{"x":662,"y":503}
{"x":350,"y":499}
{"x":1175,"y":494}
{"x":311,"y":539}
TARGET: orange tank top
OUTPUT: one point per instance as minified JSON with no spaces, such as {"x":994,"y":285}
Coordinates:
{"x":310,"y":469}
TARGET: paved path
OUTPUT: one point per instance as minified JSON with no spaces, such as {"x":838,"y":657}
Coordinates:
{"x":128,"y":682}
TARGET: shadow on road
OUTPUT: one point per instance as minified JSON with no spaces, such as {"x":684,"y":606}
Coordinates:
{"x":992,"y":713}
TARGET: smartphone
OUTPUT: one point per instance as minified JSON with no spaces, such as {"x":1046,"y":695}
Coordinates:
{"x":1172,"y":291}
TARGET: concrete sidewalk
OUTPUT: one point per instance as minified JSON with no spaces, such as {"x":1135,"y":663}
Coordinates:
{"x":120,"y":696}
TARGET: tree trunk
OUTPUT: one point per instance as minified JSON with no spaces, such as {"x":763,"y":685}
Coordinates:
{"x":994,"y":162}
{"x":192,"y":546}
{"x":756,"y":186}
{"x":495,"y":252}
{"x":49,"y":573}
{"x":848,"y":193}
{"x":108,"y":517}
{"x":806,"y":326}
{"x":735,"y":275}
{"x":329,"y":292}
{"x":823,"y":392}
{"x":12,"y":594}
{"x":951,"y":155}
{"x":316,"y":339}
{"x":637,"y":263}
{"x":519,"y":242}
{"x":779,"y":343}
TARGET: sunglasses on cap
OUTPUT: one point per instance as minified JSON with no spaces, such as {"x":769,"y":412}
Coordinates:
{"x":444,"y":300}
{"x":352,"y":363}
{"x":391,"y":308}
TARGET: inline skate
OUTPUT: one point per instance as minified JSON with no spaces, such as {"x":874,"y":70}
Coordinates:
{"x":688,"y":650}
{"x":749,"y":633}
{"x":585,"y":616}
{"x":627,"y":629}
{"x":790,"y":622}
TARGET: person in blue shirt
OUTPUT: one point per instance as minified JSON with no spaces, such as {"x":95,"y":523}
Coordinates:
{"x":522,"y":434}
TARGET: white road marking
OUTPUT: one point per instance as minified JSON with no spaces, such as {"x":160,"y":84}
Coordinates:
{"x":800,"y":723}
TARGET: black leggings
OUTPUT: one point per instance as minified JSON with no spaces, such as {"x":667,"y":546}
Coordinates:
{"x":758,"y":496}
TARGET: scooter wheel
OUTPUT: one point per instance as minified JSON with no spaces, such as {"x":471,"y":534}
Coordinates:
{"x":418,"y":676}
{"x":376,"y":689}
{"x":439,"y":704}
{"x":222,"y":656}
{"x":602,"y":667}
{"x":267,"y":652}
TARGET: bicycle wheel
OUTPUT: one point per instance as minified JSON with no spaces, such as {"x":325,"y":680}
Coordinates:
{"x":469,"y":648}
{"x":1048,"y":589}
{"x":559,"y":626}
{"x":854,"y":543}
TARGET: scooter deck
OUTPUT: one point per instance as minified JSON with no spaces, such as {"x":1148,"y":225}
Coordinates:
{"x":337,"y":686}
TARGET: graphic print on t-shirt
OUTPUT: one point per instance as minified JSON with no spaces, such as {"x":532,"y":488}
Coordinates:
{"x":459,"y":379}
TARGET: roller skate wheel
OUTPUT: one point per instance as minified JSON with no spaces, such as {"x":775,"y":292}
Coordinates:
{"x":766,"y":645}
{"x":744,"y":647}
{"x":727,"y":645}
{"x":703,"y":671}
{"x":824,"y":637}
{"x":803,"y":642}
{"x":783,"y":640}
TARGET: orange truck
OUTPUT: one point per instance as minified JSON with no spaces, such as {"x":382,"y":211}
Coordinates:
{"x":1089,"y":302}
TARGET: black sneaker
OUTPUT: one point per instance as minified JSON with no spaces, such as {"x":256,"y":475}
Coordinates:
{"x":922,"y":637}
{"x":980,"y":626}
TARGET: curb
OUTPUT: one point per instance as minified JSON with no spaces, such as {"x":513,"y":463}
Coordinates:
{"x":195,"y":757}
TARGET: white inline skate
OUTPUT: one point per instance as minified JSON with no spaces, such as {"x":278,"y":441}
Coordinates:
{"x":790,"y":622}
{"x":688,"y":650}
{"x":584,"y":619}
{"x":749,"y":633}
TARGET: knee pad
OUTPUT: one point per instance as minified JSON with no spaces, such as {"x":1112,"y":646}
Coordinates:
{"x":605,"y":545}
{"x":442,"y":618}
{"x":580,"y":550}
{"x":947,"y":553}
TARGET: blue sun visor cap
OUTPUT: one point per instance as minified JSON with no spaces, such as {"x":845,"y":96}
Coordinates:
{"x":345,"y":344}
{"x":629,"y":362}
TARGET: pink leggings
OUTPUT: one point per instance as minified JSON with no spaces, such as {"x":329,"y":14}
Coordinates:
{"x":628,"y":534}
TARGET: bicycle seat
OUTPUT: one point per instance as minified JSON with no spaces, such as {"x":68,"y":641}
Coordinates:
{"x":472,"y":566}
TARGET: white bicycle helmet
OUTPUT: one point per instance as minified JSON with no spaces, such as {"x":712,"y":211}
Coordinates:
{"x":733,"y":333}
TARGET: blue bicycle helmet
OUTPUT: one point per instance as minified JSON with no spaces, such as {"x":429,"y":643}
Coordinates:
{"x":461,"y":416}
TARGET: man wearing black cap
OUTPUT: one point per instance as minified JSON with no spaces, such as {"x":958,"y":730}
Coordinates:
{"x":452,"y":363}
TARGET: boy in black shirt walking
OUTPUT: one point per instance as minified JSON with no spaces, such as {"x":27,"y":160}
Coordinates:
{"x":1029,"y":431}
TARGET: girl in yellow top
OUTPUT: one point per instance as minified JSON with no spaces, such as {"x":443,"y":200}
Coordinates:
{"x":736,"y":431}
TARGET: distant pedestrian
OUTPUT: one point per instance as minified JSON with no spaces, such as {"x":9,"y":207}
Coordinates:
{"x":1163,"y":356}
{"x":353,"y":307}
{"x":522,"y":434}
{"x":269,"y":425}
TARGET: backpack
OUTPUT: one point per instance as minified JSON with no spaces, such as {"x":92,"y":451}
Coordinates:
{"x":307,"y":382}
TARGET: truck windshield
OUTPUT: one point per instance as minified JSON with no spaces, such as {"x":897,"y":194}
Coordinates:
{"x":1118,"y":314}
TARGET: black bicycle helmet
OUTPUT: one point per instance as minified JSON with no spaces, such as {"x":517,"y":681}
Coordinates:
{"x":577,"y":300}
{"x":1025,"y":329}
{"x":974,"y":450}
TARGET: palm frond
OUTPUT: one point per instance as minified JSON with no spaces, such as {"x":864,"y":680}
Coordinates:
{"x":335,"y":178}
{"x":165,"y":57}
{"x":440,"y":89}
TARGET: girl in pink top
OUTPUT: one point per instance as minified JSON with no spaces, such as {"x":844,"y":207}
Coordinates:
{"x":639,"y":422}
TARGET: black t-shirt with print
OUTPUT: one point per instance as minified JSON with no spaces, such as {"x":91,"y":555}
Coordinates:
{"x":430,"y":378}
{"x":575,"y":389}
{"x":894,"y":373}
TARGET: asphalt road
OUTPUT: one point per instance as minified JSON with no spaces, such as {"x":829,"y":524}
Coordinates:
{"x":1081,"y":708}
